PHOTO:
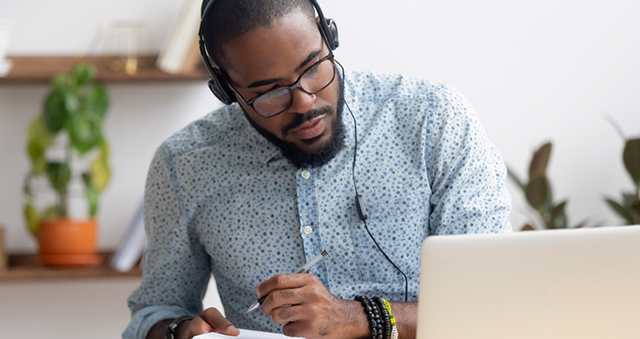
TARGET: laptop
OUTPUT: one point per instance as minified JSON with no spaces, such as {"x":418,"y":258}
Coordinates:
{"x":554,"y":284}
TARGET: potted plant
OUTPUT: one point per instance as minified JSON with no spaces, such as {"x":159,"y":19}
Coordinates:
{"x":629,"y":208}
{"x":537,"y":190}
{"x":66,"y":145}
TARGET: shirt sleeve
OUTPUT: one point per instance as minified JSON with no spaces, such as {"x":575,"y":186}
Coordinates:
{"x":176,"y":266}
{"x":466,"y":173}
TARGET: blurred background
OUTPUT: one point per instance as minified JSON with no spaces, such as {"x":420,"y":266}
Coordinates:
{"x":535,"y":71}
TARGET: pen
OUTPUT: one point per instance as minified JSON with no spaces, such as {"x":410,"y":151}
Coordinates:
{"x":302,"y":269}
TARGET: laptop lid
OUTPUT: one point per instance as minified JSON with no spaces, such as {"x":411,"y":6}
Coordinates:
{"x":560,"y":284}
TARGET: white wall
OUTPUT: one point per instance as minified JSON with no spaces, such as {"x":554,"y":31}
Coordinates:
{"x":534,"y":71}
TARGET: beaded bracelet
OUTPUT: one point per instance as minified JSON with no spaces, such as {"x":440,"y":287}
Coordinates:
{"x":392,"y":320}
{"x":385,"y":317}
{"x":373,"y":316}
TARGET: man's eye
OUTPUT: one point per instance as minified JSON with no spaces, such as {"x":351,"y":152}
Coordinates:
{"x":312,"y":70}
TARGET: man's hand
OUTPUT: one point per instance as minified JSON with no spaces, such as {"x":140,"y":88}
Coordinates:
{"x":210,"y":320}
{"x":306,"y":307}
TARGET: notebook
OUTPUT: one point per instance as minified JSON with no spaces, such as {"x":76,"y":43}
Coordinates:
{"x":245,"y":334}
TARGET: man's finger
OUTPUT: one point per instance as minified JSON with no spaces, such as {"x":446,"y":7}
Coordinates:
{"x":282,"y":297}
{"x":283,"y":315}
{"x":218,"y":322}
{"x":283,"y":281}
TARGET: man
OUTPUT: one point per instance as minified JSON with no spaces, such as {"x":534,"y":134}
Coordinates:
{"x":257,"y":188}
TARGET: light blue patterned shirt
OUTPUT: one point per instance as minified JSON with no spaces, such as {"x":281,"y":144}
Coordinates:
{"x":221,"y":199}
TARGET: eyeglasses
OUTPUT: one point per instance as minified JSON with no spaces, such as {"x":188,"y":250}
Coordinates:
{"x":313,"y":80}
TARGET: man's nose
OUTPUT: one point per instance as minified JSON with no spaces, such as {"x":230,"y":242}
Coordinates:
{"x":302,"y":101}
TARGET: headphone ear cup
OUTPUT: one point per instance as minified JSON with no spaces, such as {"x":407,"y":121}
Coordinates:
{"x":221,"y":90}
{"x":332,"y":32}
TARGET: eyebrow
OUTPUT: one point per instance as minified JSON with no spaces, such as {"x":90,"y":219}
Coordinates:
{"x":260,"y":83}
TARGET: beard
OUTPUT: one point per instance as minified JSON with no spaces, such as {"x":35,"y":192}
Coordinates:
{"x":305,"y":159}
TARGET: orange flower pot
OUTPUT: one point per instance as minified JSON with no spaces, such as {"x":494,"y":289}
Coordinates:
{"x":68,"y":242}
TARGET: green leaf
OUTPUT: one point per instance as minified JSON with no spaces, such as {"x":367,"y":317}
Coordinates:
{"x":537,"y":191}
{"x":50,"y":213}
{"x":84,"y":73}
{"x":57,"y":107}
{"x":98,"y":101}
{"x":105,"y":150}
{"x":92,"y":198}
{"x":620,"y":210}
{"x":85,"y":131}
{"x":39,"y":133}
{"x":37,"y":155}
{"x":555,"y":213}
{"x":631,"y":158}
{"x":31,"y":216}
{"x":513,"y":176}
{"x":540,"y":160}
{"x":100,"y":174}
{"x":59,"y":175}
{"x":63,"y":81}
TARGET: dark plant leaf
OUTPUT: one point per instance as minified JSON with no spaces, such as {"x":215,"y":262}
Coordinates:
{"x":540,"y":161}
{"x":55,"y":112}
{"x":537,"y":191}
{"x":623,"y":212}
{"x":98,"y":101}
{"x":631,"y":158}
{"x":562,"y":221}
{"x":59,"y":175}
{"x":513,"y":176}
{"x":582,"y":224}
{"x":85,"y":131}
{"x":556,"y":212}
{"x":528,"y":227}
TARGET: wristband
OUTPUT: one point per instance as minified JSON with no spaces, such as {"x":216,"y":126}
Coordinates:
{"x":170,"y":332}
{"x":392,"y":320}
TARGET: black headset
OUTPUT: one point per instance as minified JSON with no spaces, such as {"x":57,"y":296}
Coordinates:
{"x":218,"y":84}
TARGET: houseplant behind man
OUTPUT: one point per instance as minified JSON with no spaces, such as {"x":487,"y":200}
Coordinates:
{"x":66,"y":144}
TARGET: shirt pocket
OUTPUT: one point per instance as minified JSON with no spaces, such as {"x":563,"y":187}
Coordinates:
{"x":399,"y":225}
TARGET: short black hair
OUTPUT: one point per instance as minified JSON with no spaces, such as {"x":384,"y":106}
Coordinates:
{"x":229,"y":19}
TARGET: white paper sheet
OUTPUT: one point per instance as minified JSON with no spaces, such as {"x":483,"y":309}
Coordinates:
{"x":245,"y":334}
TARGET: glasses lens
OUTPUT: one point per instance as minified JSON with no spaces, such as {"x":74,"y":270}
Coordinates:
{"x":313,"y":80}
{"x":318,"y":77}
{"x":273,"y":102}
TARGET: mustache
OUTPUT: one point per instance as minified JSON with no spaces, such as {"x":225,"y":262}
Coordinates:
{"x":302,"y":118}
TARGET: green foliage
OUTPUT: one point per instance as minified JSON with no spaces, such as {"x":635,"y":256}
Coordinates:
{"x":629,"y":208}
{"x":76,"y":105}
{"x":538,"y":193}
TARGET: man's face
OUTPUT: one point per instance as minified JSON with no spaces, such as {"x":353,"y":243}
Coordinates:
{"x":274,"y":56}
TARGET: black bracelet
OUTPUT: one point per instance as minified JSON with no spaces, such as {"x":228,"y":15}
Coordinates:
{"x":373,"y":315}
{"x":170,"y":331}
{"x":384,"y":316}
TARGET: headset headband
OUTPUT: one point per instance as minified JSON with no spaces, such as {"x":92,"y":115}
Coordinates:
{"x":218,"y":84}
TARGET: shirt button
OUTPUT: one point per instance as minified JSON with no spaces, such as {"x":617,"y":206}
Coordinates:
{"x":305,"y":174}
{"x":307,"y":230}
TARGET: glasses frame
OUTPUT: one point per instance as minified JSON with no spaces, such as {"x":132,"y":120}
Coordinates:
{"x":291,"y":88}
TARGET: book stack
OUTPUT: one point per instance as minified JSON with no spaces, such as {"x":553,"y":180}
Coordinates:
{"x":180,"y":52}
{"x":3,"y":254}
{"x":132,"y":245}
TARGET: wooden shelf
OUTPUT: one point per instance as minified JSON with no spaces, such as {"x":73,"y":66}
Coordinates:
{"x":40,"y":69}
{"x":28,"y":267}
